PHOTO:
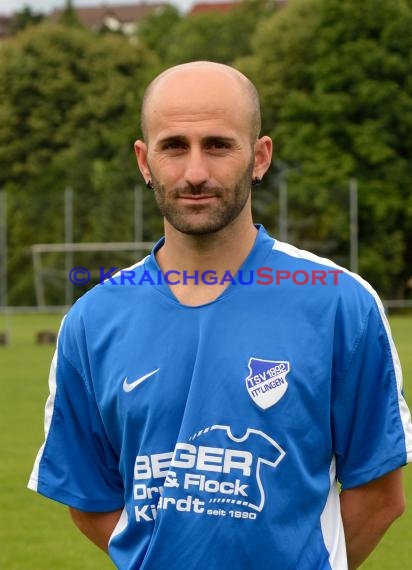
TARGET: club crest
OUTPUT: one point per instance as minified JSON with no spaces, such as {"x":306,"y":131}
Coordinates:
{"x":266,"y":382}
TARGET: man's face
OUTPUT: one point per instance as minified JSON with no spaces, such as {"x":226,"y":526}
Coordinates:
{"x":200,"y":154}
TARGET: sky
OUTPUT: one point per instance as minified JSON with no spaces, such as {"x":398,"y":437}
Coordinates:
{"x":9,"y":6}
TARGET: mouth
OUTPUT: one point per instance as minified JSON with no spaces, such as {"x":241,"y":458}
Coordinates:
{"x":196,"y":199}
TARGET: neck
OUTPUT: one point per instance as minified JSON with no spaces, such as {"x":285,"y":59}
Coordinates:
{"x":220,"y":251}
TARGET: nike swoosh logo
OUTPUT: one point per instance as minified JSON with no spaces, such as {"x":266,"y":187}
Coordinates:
{"x":129,"y":387}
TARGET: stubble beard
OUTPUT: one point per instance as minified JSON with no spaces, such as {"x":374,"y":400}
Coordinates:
{"x":202,"y":219}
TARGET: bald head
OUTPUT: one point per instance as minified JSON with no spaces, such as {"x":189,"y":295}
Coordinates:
{"x":215,"y":79}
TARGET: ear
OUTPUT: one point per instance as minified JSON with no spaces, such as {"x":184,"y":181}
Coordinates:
{"x":140,"y":149}
{"x":263,"y":156}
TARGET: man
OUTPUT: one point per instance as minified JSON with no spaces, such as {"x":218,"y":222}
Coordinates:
{"x":205,"y":404}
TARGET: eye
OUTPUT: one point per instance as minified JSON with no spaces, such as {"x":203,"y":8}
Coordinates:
{"x":173,"y":145}
{"x":218,"y":145}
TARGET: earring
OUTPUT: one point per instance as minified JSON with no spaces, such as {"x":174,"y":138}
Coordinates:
{"x":256,"y":181}
{"x":149,"y":185}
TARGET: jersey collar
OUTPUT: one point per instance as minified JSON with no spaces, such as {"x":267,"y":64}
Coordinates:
{"x":261,"y":248}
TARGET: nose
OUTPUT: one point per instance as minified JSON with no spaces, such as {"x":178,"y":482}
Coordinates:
{"x":196,"y":171}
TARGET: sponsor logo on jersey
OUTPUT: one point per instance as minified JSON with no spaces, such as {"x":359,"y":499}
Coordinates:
{"x":129,"y":386}
{"x":266,"y":383}
{"x":214,"y":474}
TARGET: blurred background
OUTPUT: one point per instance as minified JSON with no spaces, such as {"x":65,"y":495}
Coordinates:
{"x":335,"y":80}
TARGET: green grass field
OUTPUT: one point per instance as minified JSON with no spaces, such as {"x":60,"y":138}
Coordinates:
{"x":37,"y":534}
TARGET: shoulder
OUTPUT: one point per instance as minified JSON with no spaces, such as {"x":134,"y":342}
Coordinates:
{"x":321,"y":290}
{"x":316,"y":271}
{"x":107,"y":301}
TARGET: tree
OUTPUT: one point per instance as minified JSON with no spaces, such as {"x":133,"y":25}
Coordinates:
{"x":155,"y":30}
{"x":335,"y":80}
{"x":69,"y":113}
{"x":25,"y":17}
{"x":68,"y":16}
{"x":212,"y":35}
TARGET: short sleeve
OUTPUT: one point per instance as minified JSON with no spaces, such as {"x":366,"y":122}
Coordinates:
{"x":76,"y":465}
{"x":370,"y":420}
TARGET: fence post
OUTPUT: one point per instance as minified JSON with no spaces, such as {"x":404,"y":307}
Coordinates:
{"x":353,"y":225}
{"x":138,"y":215}
{"x":68,"y":238}
{"x":283,"y":211}
{"x":3,"y":250}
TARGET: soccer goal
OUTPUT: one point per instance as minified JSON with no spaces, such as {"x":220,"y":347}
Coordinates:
{"x":52,"y":269}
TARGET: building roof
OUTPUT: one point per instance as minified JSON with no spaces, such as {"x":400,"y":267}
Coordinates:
{"x":5,"y":26}
{"x":94,"y":17}
{"x":203,"y":7}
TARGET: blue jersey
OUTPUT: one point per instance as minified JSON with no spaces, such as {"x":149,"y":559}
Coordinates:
{"x":222,"y":430}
